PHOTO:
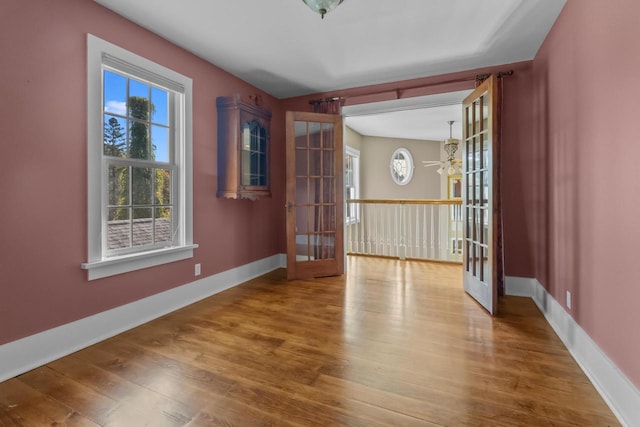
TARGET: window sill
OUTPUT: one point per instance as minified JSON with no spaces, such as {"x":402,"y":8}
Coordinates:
{"x":126,"y":263}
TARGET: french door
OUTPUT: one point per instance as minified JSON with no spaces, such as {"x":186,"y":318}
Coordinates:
{"x":314,"y":195}
{"x":479,"y":198}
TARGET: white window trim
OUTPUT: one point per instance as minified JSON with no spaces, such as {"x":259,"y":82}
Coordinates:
{"x":350,"y":151}
{"x":98,"y":265}
{"x":410,"y":166}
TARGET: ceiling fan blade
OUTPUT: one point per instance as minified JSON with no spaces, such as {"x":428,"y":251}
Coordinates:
{"x":431,"y":162}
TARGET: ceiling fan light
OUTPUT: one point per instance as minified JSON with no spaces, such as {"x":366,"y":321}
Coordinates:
{"x":452,"y":170}
{"x":441,"y":170}
{"x":322,"y":6}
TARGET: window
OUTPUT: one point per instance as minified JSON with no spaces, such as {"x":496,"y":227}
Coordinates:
{"x":139,"y":165}
{"x":352,"y":183}
{"x":401,"y":166}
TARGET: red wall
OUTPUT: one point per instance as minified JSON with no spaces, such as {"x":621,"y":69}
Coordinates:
{"x":43,"y":220}
{"x":587,"y":182}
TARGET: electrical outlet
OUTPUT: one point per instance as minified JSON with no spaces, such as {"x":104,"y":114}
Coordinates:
{"x":197,"y":270}
{"x":569,"y":300}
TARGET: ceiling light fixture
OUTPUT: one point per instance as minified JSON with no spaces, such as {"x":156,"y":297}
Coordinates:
{"x":322,"y":6}
{"x":450,"y":147}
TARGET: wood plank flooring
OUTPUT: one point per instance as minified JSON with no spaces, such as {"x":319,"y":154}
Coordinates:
{"x":391,"y":343}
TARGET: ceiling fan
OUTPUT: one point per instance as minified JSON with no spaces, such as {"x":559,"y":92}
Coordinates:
{"x":450,"y":147}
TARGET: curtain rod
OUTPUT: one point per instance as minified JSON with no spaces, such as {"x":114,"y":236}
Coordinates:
{"x":399,"y":91}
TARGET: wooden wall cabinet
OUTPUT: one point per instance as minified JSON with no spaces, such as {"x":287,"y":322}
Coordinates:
{"x":243,"y":149}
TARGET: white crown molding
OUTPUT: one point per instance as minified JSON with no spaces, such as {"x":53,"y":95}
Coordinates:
{"x":36,"y":350}
{"x":622,"y":396}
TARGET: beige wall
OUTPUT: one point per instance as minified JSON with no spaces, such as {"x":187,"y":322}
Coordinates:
{"x":352,"y":138}
{"x":376,"y":181}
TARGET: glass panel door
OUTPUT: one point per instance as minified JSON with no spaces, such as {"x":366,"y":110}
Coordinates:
{"x":314,"y":195}
{"x":480,"y":150}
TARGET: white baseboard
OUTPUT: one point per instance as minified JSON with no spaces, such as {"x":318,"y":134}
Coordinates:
{"x":622,"y":396}
{"x":36,"y":350}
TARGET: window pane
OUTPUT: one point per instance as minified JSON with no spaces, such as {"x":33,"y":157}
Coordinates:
{"x":160,"y":143}
{"x":141,"y":186}
{"x":160,"y":102}
{"x":163,"y":187}
{"x":114,"y":136}
{"x":118,"y":229}
{"x":118,"y":185}
{"x":163,"y":225}
{"x":142,"y":222}
{"x":115,"y":93}
{"x":138,"y":101}
{"x":139,"y":141}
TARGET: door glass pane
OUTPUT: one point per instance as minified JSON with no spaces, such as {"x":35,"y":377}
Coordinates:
{"x":485,"y":111}
{"x":300,"y":129}
{"x":327,"y":135}
{"x":329,"y":190}
{"x":328,"y":162}
{"x":477,"y":149}
{"x":476,"y":117}
{"x":314,"y":162}
{"x":485,"y":265}
{"x":302,"y":247}
{"x":315,"y":135}
{"x":485,"y":188}
{"x":329,"y":217}
{"x":319,"y":218}
{"x":315,"y":192}
{"x":302,"y":226}
{"x":302,"y":192}
{"x":302,"y":167}
{"x":329,"y":246}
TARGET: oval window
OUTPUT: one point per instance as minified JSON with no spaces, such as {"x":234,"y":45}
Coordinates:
{"x":401,"y":166}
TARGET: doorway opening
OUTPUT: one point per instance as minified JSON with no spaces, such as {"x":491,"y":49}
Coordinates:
{"x":420,"y":217}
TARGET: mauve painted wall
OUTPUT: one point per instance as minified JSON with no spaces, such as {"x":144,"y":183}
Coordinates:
{"x":43,"y":220}
{"x":587,"y":182}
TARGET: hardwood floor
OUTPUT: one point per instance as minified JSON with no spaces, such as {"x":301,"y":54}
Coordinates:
{"x":391,"y":343}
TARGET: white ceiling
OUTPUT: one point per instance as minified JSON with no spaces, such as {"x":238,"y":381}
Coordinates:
{"x":423,"y":118}
{"x":285,"y":49}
